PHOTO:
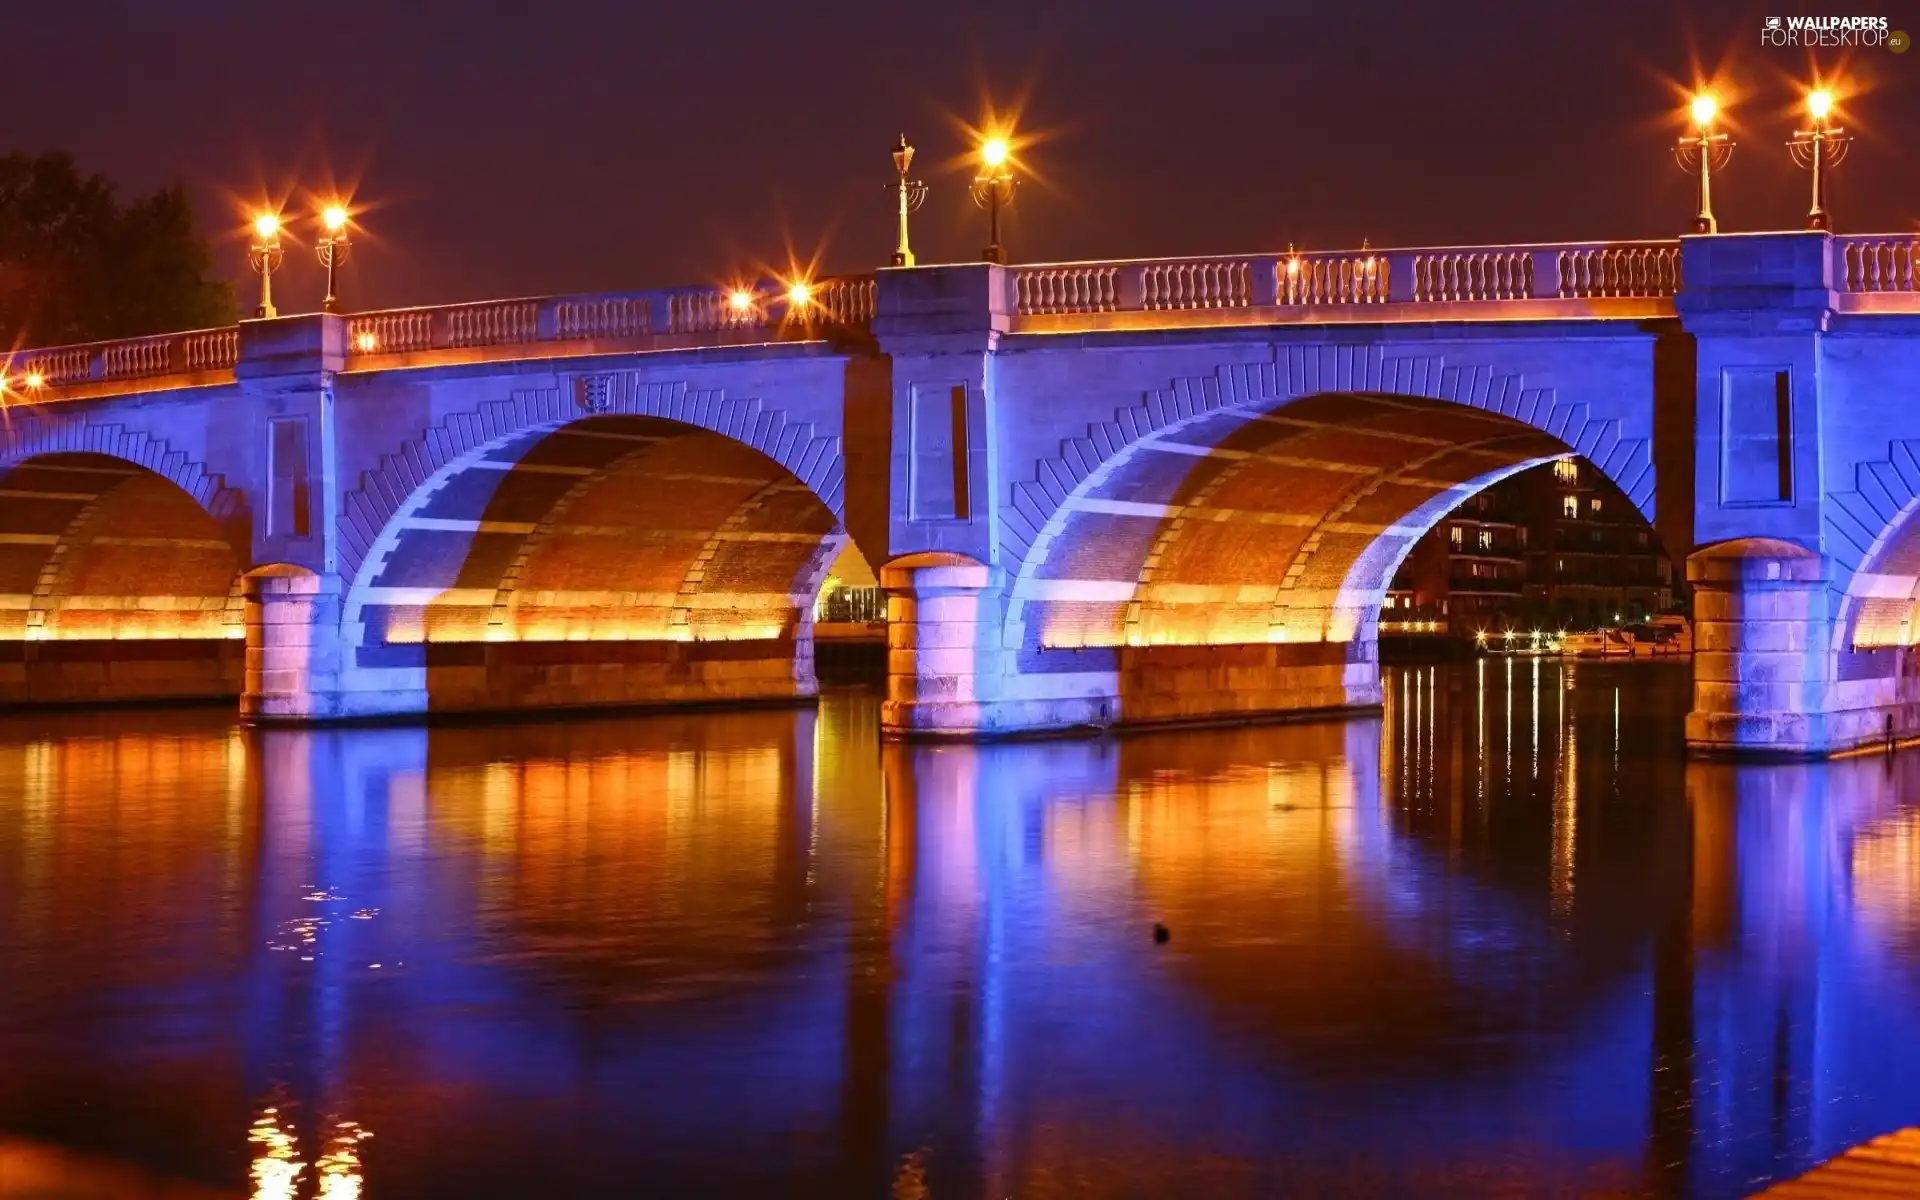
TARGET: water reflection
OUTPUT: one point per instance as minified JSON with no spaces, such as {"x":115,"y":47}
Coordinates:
{"x":1502,"y":937}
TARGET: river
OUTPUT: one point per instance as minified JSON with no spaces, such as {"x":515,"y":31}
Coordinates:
{"x":1501,"y":939}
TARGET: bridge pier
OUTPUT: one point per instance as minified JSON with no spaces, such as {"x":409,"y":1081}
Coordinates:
{"x":1771,"y":678}
{"x":293,"y":646}
{"x":1762,"y":629}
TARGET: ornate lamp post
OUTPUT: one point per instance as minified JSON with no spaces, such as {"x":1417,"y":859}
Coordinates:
{"x":993,"y":191}
{"x":1703,"y":152}
{"x":333,"y":248}
{"x":1819,"y":149}
{"x":913,"y":194}
{"x":265,"y":257}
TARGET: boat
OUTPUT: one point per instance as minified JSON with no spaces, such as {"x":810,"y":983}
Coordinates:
{"x":1660,"y":637}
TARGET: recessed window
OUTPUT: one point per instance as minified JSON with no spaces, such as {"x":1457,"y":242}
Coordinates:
{"x":1567,"y":471}
{"x":1570,"y":506}
{"x":1458,"y":537}
{"x":1486,"y":539}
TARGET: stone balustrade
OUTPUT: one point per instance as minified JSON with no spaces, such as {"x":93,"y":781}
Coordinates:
{"x":191,"y":353}
{"x":1604,"y":271}
{"x":1870,"y":272}
{"x":684,"y":314}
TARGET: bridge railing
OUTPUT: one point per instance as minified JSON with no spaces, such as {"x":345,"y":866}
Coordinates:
{"x":129,"y":358}
{"x":681,"y":313}
{"x":1437,"y":275}
{"x":1866,"y":263}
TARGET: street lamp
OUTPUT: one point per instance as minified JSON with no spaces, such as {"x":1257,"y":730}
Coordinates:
{"x":913,"y":194}
{"x":333,"y":248}
{"x":264,"y":256}
{"x":1819,"y":149}
{"x":993,"y":191}
{"x":1702,"y":152}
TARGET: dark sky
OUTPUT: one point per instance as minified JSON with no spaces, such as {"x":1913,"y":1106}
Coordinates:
{"x":509,"y":147}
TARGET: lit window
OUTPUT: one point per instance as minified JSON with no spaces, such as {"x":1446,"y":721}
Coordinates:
{"x":1457,"y":536}
{"x":1486,"y":539}
{"x":1566,"y":471}
{"x":1596,"y":504}
{"x":1641,"y":538}
{"x":1570,"y":506}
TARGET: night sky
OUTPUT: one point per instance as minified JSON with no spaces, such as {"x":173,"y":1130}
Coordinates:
{"x":501,"y":147}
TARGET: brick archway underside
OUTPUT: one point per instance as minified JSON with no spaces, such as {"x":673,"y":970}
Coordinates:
{"x":1278,"y":523}
{"x":613,"y":528}
{"x":93,"y":547}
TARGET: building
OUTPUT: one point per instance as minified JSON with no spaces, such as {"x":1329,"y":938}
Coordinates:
{"x":1555,"y":547}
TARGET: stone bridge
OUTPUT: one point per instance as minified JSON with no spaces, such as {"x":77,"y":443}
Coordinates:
{"x":1097,"y":493}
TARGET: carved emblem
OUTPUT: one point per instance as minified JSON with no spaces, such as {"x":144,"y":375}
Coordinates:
{"x":593,"y":393}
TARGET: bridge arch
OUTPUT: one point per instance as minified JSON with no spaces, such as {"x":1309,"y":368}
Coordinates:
{"x":811,"y":454}
{"x":1233,"y":559}
{"x":1618,"y":443}
{"x":116,"y":581}
{"x":624,"y":557}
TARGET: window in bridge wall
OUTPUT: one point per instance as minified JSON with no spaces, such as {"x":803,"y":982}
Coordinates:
{"x":290,"y":511}
{"x":938,"y":487}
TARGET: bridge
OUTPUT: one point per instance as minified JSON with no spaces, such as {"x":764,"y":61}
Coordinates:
{"x":1098,"y":494}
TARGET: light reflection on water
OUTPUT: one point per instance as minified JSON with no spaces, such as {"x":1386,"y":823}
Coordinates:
{"x":1501,"y":938}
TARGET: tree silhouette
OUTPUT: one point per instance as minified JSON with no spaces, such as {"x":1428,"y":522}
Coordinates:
{"x":76,"y":265}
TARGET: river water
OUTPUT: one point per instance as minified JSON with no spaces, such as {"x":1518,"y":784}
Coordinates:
{"x":1502,"y":939}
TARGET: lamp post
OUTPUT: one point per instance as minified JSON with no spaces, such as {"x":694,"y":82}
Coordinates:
{"x":913,"y":194}
{"x":264,"y":256}
{"x":993,"y":191}
{"x":1819,"y":149}
{"x":334,"y":247}
{"x":1703,"y":152}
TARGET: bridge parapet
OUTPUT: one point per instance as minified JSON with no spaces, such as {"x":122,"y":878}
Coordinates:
{"x":1365,"y":277}
{"x":678,"y":317}
{"x":1871,"y":273}
{"x":1870,"y":266}
{"x":199,"y":352}
{"x":663,"y":319}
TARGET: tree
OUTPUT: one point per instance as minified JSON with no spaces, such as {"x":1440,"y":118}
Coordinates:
{"x":78,"y":266}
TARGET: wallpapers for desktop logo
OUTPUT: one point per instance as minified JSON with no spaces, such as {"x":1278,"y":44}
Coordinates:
{"x":1817,"y":32}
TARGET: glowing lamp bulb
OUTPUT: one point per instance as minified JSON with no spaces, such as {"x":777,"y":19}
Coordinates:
{"x":365,"y":341}
{"x":799,"y":294}
{"x":1820,"y":103}
{"x":740,"y":300}
{"x":334,"y":218}
{"x":1293,"y":266}
{"x":36,"y":380}
{"x":1705,"y":108}
{"x":266,"y":225}
{"x":993,"y":152}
